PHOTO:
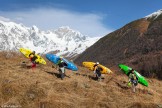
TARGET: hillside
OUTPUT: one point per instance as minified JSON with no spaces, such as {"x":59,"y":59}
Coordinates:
{"x":137,"y":44}
{"x":42,"y":88}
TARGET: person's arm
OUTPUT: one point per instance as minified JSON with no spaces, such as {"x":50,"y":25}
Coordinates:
{"x":57,"y":67}
{"x":58,"y":62}
{"x":135,"y":77}
{"x":130,"y":75}
{"x":94,"y":69}
{"x":30,"y":55}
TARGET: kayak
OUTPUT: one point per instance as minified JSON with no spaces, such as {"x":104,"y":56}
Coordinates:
{"x":26,"y":53}
{"x":90,"y":66}
{"x":141,"y":79}
{"x":54,"y":59}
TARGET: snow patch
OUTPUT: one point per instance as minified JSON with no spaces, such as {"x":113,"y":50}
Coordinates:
{"x":154,"y":14}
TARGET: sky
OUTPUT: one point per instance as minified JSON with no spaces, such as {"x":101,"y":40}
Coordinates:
{"x":90,"y":17}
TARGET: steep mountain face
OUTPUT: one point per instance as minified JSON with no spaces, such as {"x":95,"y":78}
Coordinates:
{"x":138,"y":44}
{"x":63,"y":41}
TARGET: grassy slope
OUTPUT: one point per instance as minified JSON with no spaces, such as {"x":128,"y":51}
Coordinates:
{"x":42,"y":88}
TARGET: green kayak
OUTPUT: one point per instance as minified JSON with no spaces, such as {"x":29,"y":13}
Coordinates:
{"x":141,"y":79}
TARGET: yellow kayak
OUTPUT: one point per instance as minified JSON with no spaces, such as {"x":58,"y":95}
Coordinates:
{"x":90,"y":65}
{"x":26,"y":53}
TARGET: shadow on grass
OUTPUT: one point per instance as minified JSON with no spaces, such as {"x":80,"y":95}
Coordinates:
{"x":89,"y":76}
{"x":56,"y":74}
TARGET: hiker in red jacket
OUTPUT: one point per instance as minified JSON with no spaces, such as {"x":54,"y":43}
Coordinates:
{"x":33,"y":58}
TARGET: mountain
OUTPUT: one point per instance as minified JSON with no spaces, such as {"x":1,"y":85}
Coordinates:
{"x":137,"y":44}
{"x":62,"y":41}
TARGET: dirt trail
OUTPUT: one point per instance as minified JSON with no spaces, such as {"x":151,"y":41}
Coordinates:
{"x":42,"y":88}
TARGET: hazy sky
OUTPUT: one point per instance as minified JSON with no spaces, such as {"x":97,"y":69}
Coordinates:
{"x":90,"y":17}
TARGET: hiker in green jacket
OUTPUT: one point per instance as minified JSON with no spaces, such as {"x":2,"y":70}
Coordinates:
{"x":62,"y":66}
{"x":133,"y":80}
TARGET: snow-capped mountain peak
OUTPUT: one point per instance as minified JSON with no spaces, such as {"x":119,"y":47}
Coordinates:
{"x":67,"y":33}
{"x":154,"y":14}
{"x":63,"y":41}
{"x":35,"y":28}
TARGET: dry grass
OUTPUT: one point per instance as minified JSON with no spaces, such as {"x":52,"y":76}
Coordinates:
{"x":42,"y":88}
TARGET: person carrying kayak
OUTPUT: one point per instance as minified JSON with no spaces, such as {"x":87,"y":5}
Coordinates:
{"x":133,"y":80}
{"x":33,"y":58}
{"x":62,"y":66}
{"x":97,"y":70}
